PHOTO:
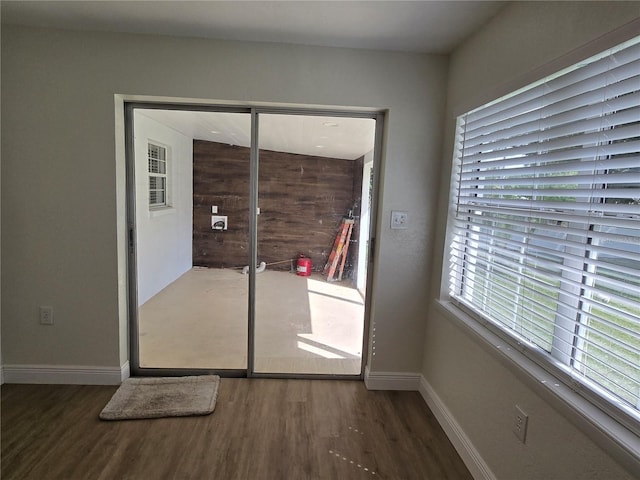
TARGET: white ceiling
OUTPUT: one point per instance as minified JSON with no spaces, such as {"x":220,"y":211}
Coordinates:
{"x":334,"y":137}
{"x":412,"y":26}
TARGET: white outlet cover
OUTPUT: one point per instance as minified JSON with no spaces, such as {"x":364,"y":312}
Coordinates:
{"x":399,"y":220}
{"x":520,"y":424}
{"x":46,"y":315}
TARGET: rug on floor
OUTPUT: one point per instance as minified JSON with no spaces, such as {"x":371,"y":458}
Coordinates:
{"x":156,"y":397}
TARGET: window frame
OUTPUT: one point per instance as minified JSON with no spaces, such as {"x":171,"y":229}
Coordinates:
{"x":165,"y":176}
{"x":594,"y":394}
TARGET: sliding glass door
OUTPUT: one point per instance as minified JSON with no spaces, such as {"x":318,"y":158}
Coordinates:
{"x":249,"y":237}
{"x":192,"y":241}
{"x":309,"y":313}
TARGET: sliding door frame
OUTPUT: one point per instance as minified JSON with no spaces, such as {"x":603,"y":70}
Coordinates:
{"x":132,"y":273}
{"x":254,"y":112}
{"x":378,"y":117}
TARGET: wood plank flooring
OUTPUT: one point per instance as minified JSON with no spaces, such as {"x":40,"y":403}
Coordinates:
{"x":261,"y":429}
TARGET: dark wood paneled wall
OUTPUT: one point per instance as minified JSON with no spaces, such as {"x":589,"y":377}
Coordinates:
{"x":221,"y":178}
{"x":302,"y":200}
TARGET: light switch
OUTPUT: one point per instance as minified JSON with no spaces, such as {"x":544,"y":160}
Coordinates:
{"x":214,"y":209}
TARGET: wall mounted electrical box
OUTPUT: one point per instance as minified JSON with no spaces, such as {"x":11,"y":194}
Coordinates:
{"x":218,"y":222}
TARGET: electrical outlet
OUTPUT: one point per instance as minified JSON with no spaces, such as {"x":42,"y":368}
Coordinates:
{"x":399,"y":220}
{"x":46,"y":315}
{"x":521,"y":421}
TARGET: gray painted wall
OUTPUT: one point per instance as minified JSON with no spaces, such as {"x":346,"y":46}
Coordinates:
{"x":63,"y":173}
{"x":521,"y":44}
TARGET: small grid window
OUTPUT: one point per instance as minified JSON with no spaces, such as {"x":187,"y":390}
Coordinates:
{"x":157,"y":156}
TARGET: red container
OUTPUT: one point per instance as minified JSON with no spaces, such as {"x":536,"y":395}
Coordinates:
{"x":304,"y":267}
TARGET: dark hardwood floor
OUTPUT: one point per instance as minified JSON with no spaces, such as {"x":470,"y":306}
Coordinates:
{"x":261,"y":429}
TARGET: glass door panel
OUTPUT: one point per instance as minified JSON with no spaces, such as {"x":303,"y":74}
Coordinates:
{"x":192,"y":238}
{"x":312,"y":243}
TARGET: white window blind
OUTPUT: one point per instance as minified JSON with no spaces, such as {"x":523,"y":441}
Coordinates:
{"x":157,"y":158}
{"x":546,"y":236}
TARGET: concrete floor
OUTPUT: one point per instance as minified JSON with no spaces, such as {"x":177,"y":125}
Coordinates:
{"x":303,"y":324}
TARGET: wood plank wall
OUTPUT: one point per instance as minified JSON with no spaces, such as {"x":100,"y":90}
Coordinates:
{"x":302,"y":200}
{"x":221,"y":178}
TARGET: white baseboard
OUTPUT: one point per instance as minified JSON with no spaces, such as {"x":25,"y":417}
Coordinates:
{"x":391,"y":380}
{"x":65,"y":374}
{"x":470,"y":456}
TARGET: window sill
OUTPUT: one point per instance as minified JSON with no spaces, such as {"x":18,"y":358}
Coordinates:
{"x":602,"y":429}
{"x":161,"y":211}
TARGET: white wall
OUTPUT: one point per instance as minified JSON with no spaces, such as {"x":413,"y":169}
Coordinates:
{"x":477,"y":387}
{"x":63,"y":173}
{"x":164,"y":237}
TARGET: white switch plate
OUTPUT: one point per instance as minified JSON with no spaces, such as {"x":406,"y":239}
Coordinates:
{"x":399,"y":220}
{"x":214,"y":209}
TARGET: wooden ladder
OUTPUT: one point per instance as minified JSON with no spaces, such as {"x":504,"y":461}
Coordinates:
{"x":339,"y":252}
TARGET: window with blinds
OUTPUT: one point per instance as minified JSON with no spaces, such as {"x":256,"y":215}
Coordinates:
{"x":157,"y":159}
{"x":546,"y":224}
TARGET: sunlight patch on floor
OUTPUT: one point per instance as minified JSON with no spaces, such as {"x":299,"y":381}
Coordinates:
{"x":317,"y":350}
{"x":335,"y":290}
{"x":336,"y":314}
